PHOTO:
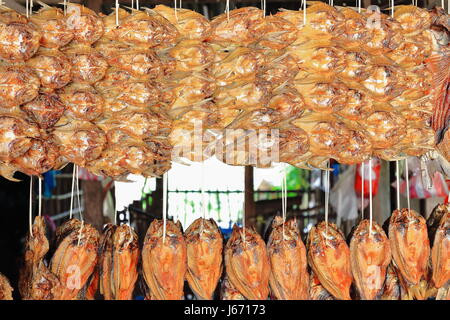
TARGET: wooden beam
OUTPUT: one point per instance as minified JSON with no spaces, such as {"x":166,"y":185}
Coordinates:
{"x":249,"y":204}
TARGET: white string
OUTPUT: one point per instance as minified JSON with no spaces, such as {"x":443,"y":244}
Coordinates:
{"x":78,"y":192}
{"x":227,"y":9}
{"x":392,"y":8}
{"x":132,"y":4}
{"x":359,"y":6}
{"x":362,"y":191}
{"x":304,"y":12}
{"x":370,"y":197}
{"x":117,"y":12}
{"x":137,"y":4}
{"x":71,"y":194}
{"x":27,"y":10}
{"x":31,"y":7}
{"x":284,"y":198}
{"x":65,"y":7}
{"x":327,"y":195}
{"x":442,"y":4}
{"x":30,"y":212}
{"x":397,"y":175}
{"x":40,"y":197}
{"x":407,"y":184}
{"x":165,"y":181}
{"x":448,"y":6}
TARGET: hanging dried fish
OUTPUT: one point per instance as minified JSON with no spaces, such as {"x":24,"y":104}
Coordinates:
{"x":289,"y":278}
{"x":105,"y":254}
{"x":76,"y":257}
{"x":5,"y":288}
{"x":125,"y":256}
{"x":36,"y":281}
{"x":440,"y":254}
{"x":329,"y":258}
{"x":228,"y":292}
{"x":164,"y":261}
{"x":370,"y":255}
{"x":406,"y":229}
{"x":316,"y":290}
{"x":391,"y":287}
{"x":204,"y":243}
{"x":247,"y":263}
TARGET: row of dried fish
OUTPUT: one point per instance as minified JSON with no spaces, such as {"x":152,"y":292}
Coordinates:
{"x":118,"y":98}
{"x":373,"y":265}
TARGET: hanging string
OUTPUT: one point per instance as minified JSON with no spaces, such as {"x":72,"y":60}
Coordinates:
{"x":442,"y":4}
{"x":175,"y":9}
{"x":30,"y":210}
{"x":397,"y":175}
{"x":132,"y":4}
{"x":78,"y":192}
{"x":304,"y":12}
{"x":263,"y":7}
{"x":137,"y":4}
{"x":40,"y":197}
{"x":31,"y":7}
{"x":392,"y":8}
{"x":115,"y":208}
{"x":362,"y":190}
{"x":71,"y":194}
{"x":165,"y":181}
{"x":117,"y":13}
{"x":284,"y":198}
{"x":407,"y":185}
{"x":327,"y":196}
{"x":27,"y":8}
{"x":370,"y":197}
{"x":65,"y":7}
{"x":359,"y":6}
{"x":227,"y":9}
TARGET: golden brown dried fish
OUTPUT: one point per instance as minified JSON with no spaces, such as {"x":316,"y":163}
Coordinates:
{"x":391,"y":287}
{"x":409,"y":243}
{"x":329,"y":258}
{"x":289,"y":279}
{"x":247,"y":263}
{"x":164,"y":260}
{"x":228,"y":292}
{"x":105,"y":260}
{"x":36,"y":282}
{"x":316,"y":290}
{"x":5,"y":288}
{"x":75,"y":258}
{"x":125,"y":256}
{"x":440,"y":254}
{"x":204,"y":257}
{"x":435,"y":218}
{"x":370,"y":254}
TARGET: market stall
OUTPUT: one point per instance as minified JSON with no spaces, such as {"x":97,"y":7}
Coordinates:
{"x":340,"y":113}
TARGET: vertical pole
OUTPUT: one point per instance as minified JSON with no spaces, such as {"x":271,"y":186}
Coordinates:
{"x":249,"y":202}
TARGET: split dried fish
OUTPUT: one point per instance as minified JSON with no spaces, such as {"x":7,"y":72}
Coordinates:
{"x":247,"y":263}
{"x":76,"y":257}
{"x":329,"y":258}
{"x":5,"y":288}
{"x":316,"y":290}
{"x":407,"y":229}
{"x":164,"y":260}
{"x":204,"y":243}
{"x":36,"y":281}
{"x":440,"y":254}
{"x":228,"y":292}
{"x":289,"y":278}
{"x":370,"y":254}
{"x":105,"y":260}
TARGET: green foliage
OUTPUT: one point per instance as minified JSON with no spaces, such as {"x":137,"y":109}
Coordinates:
{"x":296,"y":179}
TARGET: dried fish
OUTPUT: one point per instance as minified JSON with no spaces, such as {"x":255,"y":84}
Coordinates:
{"x":391,"y":287}
{"x":316,"y":290}
{"x":36,"y":281}
{"x":289,"y":279}
{"x":105,"y":260}
{"x":164,"y":260}
{"x":247,"y":263}
{"x":440,"y":254}
{"x":406,"y":229}
{"x":76,"y":257}
{"x":329,"y":258}
{"x":204,"y":243}
{"x":370,"y":254}
{"x":5,"y":288}
{"x":125,"y":256}
{"x":228,"y":292}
